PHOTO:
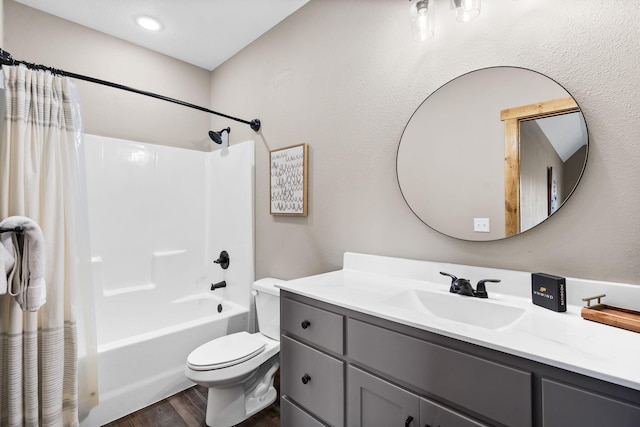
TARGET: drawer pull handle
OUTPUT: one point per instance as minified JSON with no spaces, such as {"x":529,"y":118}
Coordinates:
{"x":408,"y":421}
{"x":306,"y":378}
{"x":305,"y":324}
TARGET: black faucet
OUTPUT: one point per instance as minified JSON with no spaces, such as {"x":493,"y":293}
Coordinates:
{"x":464,"y":287}
{"x":218,"y":285}
{"x":481,"y":290}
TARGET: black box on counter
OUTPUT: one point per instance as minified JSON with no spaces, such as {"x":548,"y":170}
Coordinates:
{"x":549,"y":291}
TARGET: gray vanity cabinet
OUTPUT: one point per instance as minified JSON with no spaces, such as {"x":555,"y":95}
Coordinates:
{"x":292,"y":415}
{"x":374,"y":402}
{"x":312,"y":384}
{"x":493,"y":390}
{"x":566,"y":405}
{"x":345,"y":368}
{"x":433,"y":414}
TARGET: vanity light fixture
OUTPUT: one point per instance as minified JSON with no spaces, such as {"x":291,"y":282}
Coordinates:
{"x":148,"y":23}
{"x":421,"y":15}
{"x":466,"y":10}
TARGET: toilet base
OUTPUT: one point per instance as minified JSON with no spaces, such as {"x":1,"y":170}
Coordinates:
{"x":229,"y":406}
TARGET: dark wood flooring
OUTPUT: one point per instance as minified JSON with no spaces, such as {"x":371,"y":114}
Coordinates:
{"x":187,"y":409}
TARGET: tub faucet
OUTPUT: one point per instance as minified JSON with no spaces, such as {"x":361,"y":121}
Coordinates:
{"x":218,"y":285}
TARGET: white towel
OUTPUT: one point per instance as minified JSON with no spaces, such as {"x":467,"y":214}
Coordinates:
{"x":26,"y":281}
{"x":7,"y":261}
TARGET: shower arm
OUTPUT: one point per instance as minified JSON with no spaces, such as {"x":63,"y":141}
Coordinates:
{"x":7,"y":59}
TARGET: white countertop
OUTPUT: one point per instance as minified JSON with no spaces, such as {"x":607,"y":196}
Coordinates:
{"x":564,"y":340}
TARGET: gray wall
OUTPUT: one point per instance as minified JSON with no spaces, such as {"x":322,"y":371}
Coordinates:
{"x":345,"y":77}
{"x":572,"y":169}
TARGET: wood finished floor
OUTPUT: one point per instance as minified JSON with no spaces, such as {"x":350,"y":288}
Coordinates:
{"x":187,"y":409}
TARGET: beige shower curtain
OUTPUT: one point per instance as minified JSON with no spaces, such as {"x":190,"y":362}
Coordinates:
{"x":47,"y":358}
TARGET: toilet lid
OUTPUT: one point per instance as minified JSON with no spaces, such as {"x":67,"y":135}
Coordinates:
{"x":225,"y":351}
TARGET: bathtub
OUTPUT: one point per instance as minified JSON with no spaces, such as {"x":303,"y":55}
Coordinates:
{"x":131,"y":373}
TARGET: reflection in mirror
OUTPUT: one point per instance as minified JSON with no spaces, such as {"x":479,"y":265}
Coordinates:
{"x":548,"y":133}
{"x":492,"y":153}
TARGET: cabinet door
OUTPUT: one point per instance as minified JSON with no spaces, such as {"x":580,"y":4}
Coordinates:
{"x":373,"y":402}
{"x":435,"y":415}
{"x":564,"y":405}
{"x":498,"y":392}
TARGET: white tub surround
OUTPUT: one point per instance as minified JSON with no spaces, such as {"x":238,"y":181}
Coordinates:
{"x":374,"y":285}
{"x":159,"y":216}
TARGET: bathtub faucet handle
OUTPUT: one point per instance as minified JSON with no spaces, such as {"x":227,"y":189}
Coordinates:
{"x":223,"y":260}
{"x":218,"y":285}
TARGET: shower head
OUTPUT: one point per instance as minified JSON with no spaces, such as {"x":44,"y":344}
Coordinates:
{"x":217,"y":136}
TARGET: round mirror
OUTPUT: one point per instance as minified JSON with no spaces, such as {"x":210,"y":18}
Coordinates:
{"x":492,"y":153}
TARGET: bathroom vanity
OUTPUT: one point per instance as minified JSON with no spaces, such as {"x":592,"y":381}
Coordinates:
{"x":364,"y":347}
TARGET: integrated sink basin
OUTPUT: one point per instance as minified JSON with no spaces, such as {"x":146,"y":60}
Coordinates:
{"x":469,"y":310}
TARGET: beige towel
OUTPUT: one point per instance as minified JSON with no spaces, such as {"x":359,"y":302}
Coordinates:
{"x":27,"y":283}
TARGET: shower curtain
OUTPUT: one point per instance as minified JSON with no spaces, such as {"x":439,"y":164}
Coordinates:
{"x":48,"y":372}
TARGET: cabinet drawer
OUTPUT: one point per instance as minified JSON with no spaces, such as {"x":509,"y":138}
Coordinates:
{"x":564,"y":405}
{"x":313,"y":380}
{"x":498,"y":392}
{"x":292,"y":416}
{"x":314,"y":325}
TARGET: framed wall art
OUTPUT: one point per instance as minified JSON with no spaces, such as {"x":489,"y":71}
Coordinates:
{"x":289,"y":177}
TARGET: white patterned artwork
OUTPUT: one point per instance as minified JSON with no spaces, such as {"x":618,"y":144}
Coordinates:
{"x":289,"y":181}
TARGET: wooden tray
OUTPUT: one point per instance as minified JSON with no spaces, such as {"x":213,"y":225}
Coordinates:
{"x":613,"y":316}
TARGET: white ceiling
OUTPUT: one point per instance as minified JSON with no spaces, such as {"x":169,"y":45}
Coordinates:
{"x":202,"y":32}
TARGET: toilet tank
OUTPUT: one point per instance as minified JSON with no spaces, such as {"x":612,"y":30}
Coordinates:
{"x":267,"y":298}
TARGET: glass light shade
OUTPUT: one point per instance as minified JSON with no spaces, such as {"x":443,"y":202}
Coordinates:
{"x":421,"y":16}
{"x":466,"y":10}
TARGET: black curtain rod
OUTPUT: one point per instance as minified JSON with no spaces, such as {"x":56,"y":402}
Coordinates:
{"x":18,"y":229}
{"x":7,"y":59}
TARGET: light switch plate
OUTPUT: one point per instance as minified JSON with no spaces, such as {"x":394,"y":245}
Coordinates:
{"x":481,"y":225}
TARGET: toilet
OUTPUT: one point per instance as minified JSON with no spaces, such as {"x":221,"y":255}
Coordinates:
{"x":238,"y":369}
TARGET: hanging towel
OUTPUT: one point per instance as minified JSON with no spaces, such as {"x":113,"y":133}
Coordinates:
{"x":7,"y":261}
{"x":26,"y":280}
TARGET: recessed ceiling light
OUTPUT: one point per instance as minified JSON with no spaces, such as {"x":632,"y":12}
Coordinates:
{"x":149,"y":23}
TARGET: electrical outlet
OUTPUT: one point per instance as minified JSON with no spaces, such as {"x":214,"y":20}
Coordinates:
{"x":481,"y":225}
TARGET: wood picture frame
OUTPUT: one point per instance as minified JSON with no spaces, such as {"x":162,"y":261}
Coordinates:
{"x":289,"y":180}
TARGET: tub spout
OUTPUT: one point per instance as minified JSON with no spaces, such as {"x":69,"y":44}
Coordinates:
{"x":215,"y":286}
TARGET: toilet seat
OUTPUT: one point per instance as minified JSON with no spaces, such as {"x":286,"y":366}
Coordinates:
{"x":225,"y":351}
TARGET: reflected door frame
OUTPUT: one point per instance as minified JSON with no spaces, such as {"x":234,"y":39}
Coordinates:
{"x":512,"y":117}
